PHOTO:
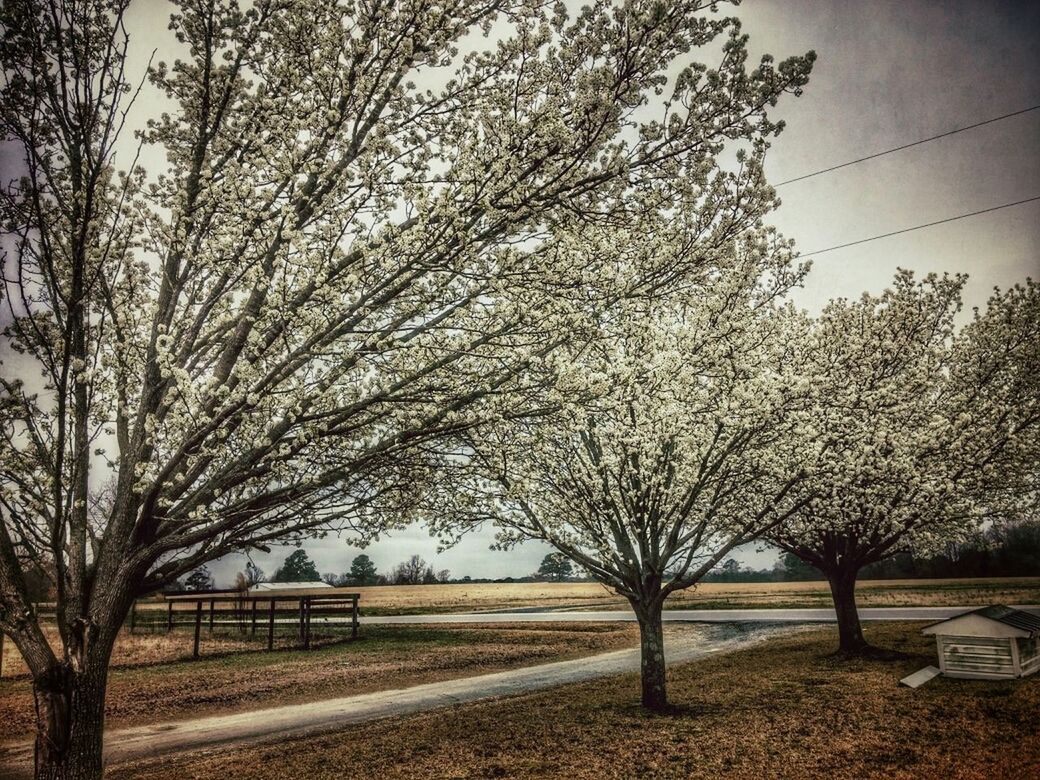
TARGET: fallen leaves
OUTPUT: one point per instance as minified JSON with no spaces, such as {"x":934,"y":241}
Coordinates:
{"x":385,"y":657}
{"x":782,"y":709}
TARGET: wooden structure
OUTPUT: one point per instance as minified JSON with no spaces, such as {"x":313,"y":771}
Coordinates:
{"x":301,"y":588}
{"x":245,"y":613}
{"x":991,"y":643}
{"x":920,"y":677}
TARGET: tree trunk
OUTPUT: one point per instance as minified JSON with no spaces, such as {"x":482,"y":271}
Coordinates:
{"x":850,"y":633}
{"x":70,"y":709}
{"x":651,"y":646}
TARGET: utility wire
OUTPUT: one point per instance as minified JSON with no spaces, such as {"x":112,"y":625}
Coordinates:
{"x":919,"y":227}
{"x":907,"y":146}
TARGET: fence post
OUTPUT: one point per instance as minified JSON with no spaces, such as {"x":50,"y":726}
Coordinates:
{"x":270,"y":627}
{"x":301,"y":619}
{"x":354,"y":621}
{"x":198,"y":628}
{"x":307,"y":625}
{"x":169,"y":618}
{"x":211,"y":603}
{"x":252,"y":619}
{"x":133,"y":615}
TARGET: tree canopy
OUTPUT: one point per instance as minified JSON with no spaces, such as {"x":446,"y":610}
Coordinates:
{"x":298,"y":567}
{"x":924,"y":430}
{"x":663,"y":444}
{"x":200,"y":579}
{"x":362,"y":570}
{"x":555,"y":567}
{"x":358,"y":241}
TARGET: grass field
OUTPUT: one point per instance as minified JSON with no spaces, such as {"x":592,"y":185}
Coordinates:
{"x":403,"y":599}
{"x":386,"y":657}
{"x":783,"y":709}
{"x":483,"y":597}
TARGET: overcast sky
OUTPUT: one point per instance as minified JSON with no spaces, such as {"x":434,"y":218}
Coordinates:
{"x":890,"y":73}
{"x":887,"y":73}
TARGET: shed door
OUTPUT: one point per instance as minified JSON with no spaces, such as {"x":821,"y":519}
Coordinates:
{"x":977,"y":656}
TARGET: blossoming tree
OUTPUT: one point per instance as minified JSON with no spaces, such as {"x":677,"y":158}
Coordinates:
{"x":924,"y":431}
{"x":667,"y":442}
{"x":332,"y":269}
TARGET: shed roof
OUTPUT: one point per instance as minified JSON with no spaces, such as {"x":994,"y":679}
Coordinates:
{"x":290,"y":585}
{"x":1017,"y":619}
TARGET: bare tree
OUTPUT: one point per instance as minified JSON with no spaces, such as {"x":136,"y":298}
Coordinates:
{"x":414,"y":571}
{"x":253,"y":574}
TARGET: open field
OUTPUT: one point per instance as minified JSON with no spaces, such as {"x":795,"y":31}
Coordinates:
{"x":505,"y":596}
{"x":385,"y":657}
{"x":480,"y":597}
{"x":780,"y":710}
{"x":485,"y":597}
{"x":149,"y":649}
{"x":869,"y":593}
{"x":781,"y":595}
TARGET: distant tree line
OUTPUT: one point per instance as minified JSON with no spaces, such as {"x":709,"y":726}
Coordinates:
{"x":413,"y":571}
{"x":1002,"y":550}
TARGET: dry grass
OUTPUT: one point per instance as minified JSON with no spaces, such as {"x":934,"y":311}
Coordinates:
{"x":482,"y":597}
{"x":138,"y":649}
{"x":568,"y":595}
{"x":781,"y":710}
{"x":869,"y":593}
{"x":386,"y":657}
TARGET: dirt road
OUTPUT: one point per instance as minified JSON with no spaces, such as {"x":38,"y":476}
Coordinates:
{"x":218,"y":732}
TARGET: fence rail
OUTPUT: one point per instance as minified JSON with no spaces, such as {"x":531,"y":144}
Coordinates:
{"x":250,"y":613}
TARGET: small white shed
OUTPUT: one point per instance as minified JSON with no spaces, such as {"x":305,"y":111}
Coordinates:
{"x":288,"y":588}
{"x":991,"y":643}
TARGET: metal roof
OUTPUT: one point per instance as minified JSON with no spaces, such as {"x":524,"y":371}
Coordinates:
{"x":289,"y":585}
{"x":1016,"y":618}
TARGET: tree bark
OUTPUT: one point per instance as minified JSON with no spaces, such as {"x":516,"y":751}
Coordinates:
{"x":70,"y":717}
{"x":651,"y":646}
{"x":850,"y":632}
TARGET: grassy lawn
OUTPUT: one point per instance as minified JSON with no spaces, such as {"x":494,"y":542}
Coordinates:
{"x":500,"y":596}
{"x":403,"y":599}
{"x":385,"y":657}
{"x":869,"y":593}
{"x":779,"y":710}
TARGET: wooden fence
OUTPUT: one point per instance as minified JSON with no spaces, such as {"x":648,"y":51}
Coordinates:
{"x":248,"y":614}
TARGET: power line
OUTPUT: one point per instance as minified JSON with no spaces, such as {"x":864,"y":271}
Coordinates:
{"x":907,"y":146}
{"x":919,"y":227}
